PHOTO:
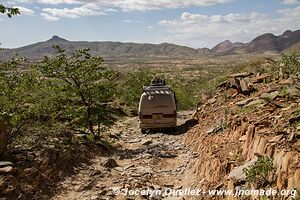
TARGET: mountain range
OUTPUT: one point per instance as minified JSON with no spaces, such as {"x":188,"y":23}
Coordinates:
{"x":262,"y":44}
{"x":266,"y":43}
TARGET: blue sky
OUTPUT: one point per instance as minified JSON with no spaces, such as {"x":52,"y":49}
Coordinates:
{"x":195,"y":23}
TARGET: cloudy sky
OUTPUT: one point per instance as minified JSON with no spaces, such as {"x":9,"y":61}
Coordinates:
{"x":195,"y":23}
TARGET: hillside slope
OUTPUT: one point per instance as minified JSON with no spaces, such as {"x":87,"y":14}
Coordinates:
{"x":261,"y":44}
{"x":249,"y":118}
{"x":295,"y":47}
{"x":106,"y":49}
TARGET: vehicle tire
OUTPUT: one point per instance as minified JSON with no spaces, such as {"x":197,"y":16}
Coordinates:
{"x":174,"y":129}
{"x":171,"y":131}
{"x":144,"y":131}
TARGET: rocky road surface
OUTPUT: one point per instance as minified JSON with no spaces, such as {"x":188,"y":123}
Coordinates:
{"x":143,"y":162}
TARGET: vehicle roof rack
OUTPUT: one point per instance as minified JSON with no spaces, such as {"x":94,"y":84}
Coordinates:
{"x":158,"y":87}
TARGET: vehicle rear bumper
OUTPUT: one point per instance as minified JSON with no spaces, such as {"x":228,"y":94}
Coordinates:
{"x":157,"y":125}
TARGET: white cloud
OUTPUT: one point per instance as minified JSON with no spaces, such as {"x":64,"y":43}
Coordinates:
{"x":131,"y":21}
{"x":10,"y":3}
{"x":188,"y":16}
{"x":290,"y":1}
{"x":101,"y":7}
{"x":25,"y":11}
{"x":130,"y":5}
{"x":85,"y":10}
{"x":143,"y":5}
{"x":49,"y":17}
{"x":197,"y":30}
{"x":110,"y":10}
{"x":51,"y":1}
{"x":290,"y":13}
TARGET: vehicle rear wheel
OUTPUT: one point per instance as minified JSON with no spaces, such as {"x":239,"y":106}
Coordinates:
{"x":173,"y":129}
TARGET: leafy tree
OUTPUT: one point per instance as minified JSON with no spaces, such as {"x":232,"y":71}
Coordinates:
{"x":15,"y":97}
{"x":184,"y":94}
{"x":9,"y":11}
{"x":132,"y":87}
{"x":78,"y":89}
{"x":291,"y":64}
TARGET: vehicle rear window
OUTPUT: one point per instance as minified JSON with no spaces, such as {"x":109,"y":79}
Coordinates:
{"x":157,"y":99}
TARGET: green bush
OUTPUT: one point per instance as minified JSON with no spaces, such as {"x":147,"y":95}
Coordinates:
{"x":16,"y":93}
{"x":185,"y":96}
{"x":131,"y":87}
{"x":261,"y":172}
{"x":77,"y":90}
{"x":291,"y":64}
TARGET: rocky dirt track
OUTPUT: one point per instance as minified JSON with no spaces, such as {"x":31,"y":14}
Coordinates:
{"x":153,"y":161}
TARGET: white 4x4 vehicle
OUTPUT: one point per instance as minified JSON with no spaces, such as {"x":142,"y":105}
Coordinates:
{"x":157,"y":107}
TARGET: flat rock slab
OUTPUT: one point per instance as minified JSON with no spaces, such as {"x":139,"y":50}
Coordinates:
{"x":261,"y":78}
{"x":135,"y":141}
{"x":5,"y":164}
{"x":270,"y":96}
{"x":244,"y":102}
{"x":238,"y":172}
{"x":6,"y":170}
{"x":213,"y":130}
{"x":276,"y":138}
{"x":128,"y":166}
{"x":255,"y":102}
{"x":167,"y":155}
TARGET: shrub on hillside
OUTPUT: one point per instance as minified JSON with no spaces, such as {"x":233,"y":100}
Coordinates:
{"x":78,"y":90}
{"x":291,"y":64}
{"x":261,"y":173}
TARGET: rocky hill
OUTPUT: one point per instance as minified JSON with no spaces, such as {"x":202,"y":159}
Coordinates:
{"x":248,"y":135}
{"x":262,"y":44}
{"x":226,"y":46}
{"x":266,"y":43}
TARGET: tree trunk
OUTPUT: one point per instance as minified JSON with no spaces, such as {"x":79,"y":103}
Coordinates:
{"x":89,"y":116}
{"x":3,"y":137}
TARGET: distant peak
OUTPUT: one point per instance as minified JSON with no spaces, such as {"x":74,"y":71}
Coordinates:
{"x":287,"y":32}
{"x":57,"y":39}
{"x":227,"y":42}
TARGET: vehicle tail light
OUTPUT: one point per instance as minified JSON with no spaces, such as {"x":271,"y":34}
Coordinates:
{"x":169,"y":116}
{"x":146,"y":116}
